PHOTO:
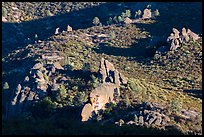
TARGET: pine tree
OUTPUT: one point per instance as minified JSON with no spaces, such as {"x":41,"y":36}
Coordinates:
{"x":96,"y":21}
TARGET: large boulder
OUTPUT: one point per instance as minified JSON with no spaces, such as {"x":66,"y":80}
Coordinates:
{"x":108,"y":91}
{"x":86,"y":112}
{"x":146,"y":14}
{"x":102,"y":95}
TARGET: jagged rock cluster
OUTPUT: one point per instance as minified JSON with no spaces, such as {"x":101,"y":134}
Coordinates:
{"x":175,"y":38}
{"x":34,"y":87}
{"x":106,"y":92}
{"x":147,"y":114}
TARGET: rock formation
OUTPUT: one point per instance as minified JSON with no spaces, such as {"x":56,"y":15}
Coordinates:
{"x":33,"y":88}
{"x":146,"y":14}
{"x":108,"y":73}
{"x":57,"y":31}
{"x":150,"y":114}
{"x":107,"y":92}
{"x":127,"y":21}
{"x":4,"y":19}
{"x":69,"y":28}
{"x":176,"y":39}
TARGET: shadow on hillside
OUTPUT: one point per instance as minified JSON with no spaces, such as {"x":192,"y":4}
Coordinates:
{"x":45,"y":27}
{"x":68,"y":121}
{"x":139,"y":51}
{"x":194,"y":93}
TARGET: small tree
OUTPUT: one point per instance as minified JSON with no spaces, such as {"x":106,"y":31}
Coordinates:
{"x":115,"y":19}
{"x":126,"y":14}
{"x":120,"y":19}
{"x":138,"y":14}
{"x":96,"y":21}
{"x":6,"y":85}
{"x":148,"y":6}
{"x":4,"y":12}
{"x":110,"y":21}
{"x":156,"y":12}
{"x":176,"y":105}
{"x":112,"y":35}
{"x":48,"y":13}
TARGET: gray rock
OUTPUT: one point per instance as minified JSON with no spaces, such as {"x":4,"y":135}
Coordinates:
{"x":39,"y":74}
{"x":128,"y":21}
{"x":151,"y":120}
{"x":37,"y":66}
{"x":146,"y":112}
{"x":158,"y":121}
{"x":146,"y":14}
{"x":58,"y":66}
{"x":69,"y":28}
{"x":185,"y":37}
{"x":26,"y":79}
{"x":18,"y":88}
{"x":130,"y":122}
{"x":53,"y":69}
{"x":57,"y":31}
{"x":141,"y":120}
{"x":192,"y":35}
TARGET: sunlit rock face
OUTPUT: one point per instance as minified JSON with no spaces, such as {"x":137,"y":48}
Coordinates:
{"x":106,"y":92}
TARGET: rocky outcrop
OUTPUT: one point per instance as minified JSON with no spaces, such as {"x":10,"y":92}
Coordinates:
{"x":150,"y":114}
{"x":128,"y":21}
{"x":57,"y":31}
{"x":69,"y":28}
{"x":4,"y":19}
{"x":147,"y":14}
{"x":34,"y":87}
{"x":107,"y":92}
{"x":108,"y":73}
{"x":176,"y":38}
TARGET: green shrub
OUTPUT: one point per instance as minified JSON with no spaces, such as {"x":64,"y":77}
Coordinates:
{"x":48,"y":13}
{"x":112,"y":35}
{"x":120,"y":19}
{"x":126,"y":14}
{"x":110,"y":21}
{"x":115,"y":19}
{"x":6,"y":85}
{"x":4,"y":12}
{"x":176,"y":105}
{"x":138,"y":14}
{"x":156,"y":12}
{"x":95,"y":81}
{"x":96,"y":21}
